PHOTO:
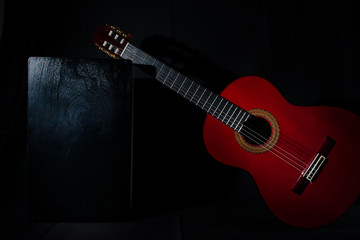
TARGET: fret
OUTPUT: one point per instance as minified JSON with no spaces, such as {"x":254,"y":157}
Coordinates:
{"x":248,"y":115}
{"x":236,"y":117}
{"x":223,"y":109}
{"x":144,"y":59}
{"x":208,"y":106}
{"x":173,"y":76}
{"x":218,"y":107}
{"x":154,"y":62}
{"x":174,"y":80}
{"x":186,"y":86}
{"x":194,"y":93}
{"x":207,"y":99}
{"x":227,"y":112}
{"x":148,"y":60}
{"x":158,"y":65}
{"x":242,"y":116}
{"x":227,"y":123}
{"x":181,"y":84}
{"x":167,"y":75}
{"x":188,"y":89}
{"x":163,"y":73}
{"x":158,"y":72}
{"x":201,"y":96}
{"x":171,"y":79}
{"x":212,"y":105}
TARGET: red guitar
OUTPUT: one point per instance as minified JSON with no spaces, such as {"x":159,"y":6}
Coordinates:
{"x":303,"y":159}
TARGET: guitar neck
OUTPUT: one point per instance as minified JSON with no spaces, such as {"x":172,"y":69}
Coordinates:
{"x":212,"y":103}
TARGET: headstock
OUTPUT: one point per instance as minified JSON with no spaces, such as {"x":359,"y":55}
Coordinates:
{"x":111,"y":40}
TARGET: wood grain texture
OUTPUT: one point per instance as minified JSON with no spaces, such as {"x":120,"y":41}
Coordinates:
{"x":79,"y":138}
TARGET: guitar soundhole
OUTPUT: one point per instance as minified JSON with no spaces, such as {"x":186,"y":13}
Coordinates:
{"x":260,"y":133}
{"x":257,"y":131}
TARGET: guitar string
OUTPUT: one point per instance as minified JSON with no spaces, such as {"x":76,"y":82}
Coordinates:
{"x":286,"y":138}
{"x":289,"y":156}
{"x":136,"y":56}
{"x":293,"y":162}
{"x":253,"y":136}
{"x":259,"y":133}
{"x":146,"y":55}
{"x":140,"y":57}
{"x":289,"y":142}
{"x":256,"y":133}
{"x":258,"y":141}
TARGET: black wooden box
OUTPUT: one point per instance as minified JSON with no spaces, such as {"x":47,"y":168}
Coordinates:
{"x":79,"y":139}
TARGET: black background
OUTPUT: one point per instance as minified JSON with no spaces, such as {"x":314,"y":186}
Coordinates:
{"x":307,"y":49}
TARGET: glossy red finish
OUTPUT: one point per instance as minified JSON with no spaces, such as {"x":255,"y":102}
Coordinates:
{"x":338,"y":184}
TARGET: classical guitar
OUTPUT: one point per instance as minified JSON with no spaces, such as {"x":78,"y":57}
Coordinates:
{"x":303,"y":159}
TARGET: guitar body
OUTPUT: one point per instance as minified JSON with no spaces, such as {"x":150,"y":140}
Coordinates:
{"x":301,"y":132}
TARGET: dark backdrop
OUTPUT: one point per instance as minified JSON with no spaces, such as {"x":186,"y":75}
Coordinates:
{"x":307,"y":49}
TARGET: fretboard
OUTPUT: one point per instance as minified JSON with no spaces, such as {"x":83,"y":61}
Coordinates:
{"x":212,"y":103}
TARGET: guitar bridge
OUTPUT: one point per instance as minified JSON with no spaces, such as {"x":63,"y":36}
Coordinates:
{"x":313,"y":170}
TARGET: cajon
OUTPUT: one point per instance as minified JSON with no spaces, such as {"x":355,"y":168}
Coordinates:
{"x":79,"y":139}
